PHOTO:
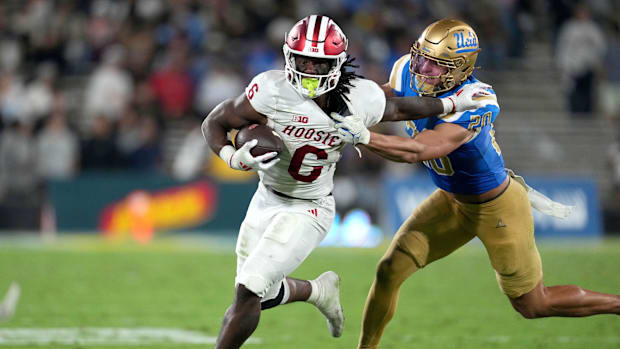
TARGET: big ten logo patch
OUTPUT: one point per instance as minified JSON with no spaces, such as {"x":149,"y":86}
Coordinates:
{"x":300,"y":118}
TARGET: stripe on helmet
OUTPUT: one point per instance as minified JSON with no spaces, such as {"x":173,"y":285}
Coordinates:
{"x":323,"y":34}
{"x":317,"y":30}
{"x":310,"y":28}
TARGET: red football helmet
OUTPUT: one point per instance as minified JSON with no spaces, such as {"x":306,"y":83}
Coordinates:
{"x":319,"y":37}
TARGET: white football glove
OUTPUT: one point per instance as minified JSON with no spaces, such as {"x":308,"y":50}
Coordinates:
{"x":465,"y":98}
{"x":241,"y":159}
{"x":352,"y":129}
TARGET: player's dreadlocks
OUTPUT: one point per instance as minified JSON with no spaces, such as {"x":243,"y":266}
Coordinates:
{"x":336,"y":97}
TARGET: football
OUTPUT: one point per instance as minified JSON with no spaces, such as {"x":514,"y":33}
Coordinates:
{"x":268,"y":139}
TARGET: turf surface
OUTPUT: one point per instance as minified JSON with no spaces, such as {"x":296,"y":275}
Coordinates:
{"x":454,"y":303}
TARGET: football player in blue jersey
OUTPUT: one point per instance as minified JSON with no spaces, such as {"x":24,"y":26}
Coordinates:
{"x":477,"y":196}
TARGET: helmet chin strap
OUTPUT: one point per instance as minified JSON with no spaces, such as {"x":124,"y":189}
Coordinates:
{"x":310,"y":84}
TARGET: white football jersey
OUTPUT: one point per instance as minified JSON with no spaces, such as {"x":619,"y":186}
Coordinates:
{"x":313,"y":146}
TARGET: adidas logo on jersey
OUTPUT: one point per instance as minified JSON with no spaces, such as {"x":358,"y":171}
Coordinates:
{"x":500,"y":224}
{"x":314,"y":212}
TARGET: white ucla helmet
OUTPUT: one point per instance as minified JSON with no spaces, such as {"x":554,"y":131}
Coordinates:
{"x":319,"y":37}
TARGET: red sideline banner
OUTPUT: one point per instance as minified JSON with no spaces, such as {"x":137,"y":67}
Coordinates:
{"x":142,"y":212}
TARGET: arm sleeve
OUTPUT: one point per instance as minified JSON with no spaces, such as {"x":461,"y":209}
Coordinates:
{"x":260,"y":93}
{"x":367,"y":100}
{"x":478,"y":118}
{"x":399,"y":77}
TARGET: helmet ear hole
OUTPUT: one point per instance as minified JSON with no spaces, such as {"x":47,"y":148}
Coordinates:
{"x":459,"y":62}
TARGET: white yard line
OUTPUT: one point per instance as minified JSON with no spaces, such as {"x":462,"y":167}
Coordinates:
{"x":9,"y":303}
{"x":513,"y":339}
{"x":104,"y":336}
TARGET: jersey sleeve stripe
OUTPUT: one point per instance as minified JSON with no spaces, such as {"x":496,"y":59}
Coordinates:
{"x":396,"y":76}
{"x":491,"y":107}
{"x":491,"y":100}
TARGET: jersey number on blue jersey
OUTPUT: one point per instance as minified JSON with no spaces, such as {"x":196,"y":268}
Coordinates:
{"x":441,"y":166}
{"x":479,"y":121}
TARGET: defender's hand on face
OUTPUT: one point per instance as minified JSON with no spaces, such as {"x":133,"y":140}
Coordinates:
{"x":241,"y":159}
{"x":352,"y":129}
{"x":465,"y":98}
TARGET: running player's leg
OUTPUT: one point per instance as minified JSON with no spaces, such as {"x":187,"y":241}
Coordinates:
{"x":393,"y":269}
{"x":515,"y":258}
{"x":245,"y":301}
{"x":430,"y":233}
{"x":565,"y":300}
{"x":286,"y":242}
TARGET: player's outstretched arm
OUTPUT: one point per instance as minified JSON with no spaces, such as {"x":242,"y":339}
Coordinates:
{"x":413,"y":108}
{"x":428,"y":144}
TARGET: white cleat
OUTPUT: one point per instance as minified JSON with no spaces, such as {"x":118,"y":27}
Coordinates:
{"x":328,"y":301}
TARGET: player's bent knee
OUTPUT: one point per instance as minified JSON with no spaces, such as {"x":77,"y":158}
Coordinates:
{"x":246,"y":304}
{"x":529,"y":313}
{"x":245,"y":296}
{"x":529,"y":310}
{"x":389,"y":270}
{"x":253,"y":282}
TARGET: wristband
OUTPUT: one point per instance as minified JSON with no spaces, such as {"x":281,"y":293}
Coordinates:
{"x":448,"y":105}
{"x":226,"y":153}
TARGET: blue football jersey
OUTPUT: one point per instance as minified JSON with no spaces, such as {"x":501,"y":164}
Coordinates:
{"x":476,"y":166}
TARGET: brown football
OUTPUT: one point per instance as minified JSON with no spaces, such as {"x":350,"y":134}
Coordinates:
{"x":268,"y":139}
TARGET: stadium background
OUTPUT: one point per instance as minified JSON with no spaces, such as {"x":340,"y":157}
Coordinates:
{"x":101,"y":102}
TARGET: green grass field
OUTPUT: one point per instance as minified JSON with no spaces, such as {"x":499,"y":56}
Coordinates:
{"x":454,"y":303}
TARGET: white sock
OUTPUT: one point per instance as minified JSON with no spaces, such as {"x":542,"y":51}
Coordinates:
{"x":315,"y":293}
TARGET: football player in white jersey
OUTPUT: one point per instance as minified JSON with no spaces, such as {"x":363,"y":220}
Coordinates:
{"x":293,"y":208}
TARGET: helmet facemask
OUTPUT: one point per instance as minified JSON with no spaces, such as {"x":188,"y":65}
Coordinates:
{"x":447,"y":80}
{"x":312,"y":85}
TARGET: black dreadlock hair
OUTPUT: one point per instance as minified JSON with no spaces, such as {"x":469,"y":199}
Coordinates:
{"x":336,"y":97}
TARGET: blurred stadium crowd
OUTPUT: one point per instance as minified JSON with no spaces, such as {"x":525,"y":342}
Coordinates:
{"x":112,"y":84}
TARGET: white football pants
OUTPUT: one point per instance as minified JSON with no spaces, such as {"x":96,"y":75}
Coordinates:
{"x":276,"y":235}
